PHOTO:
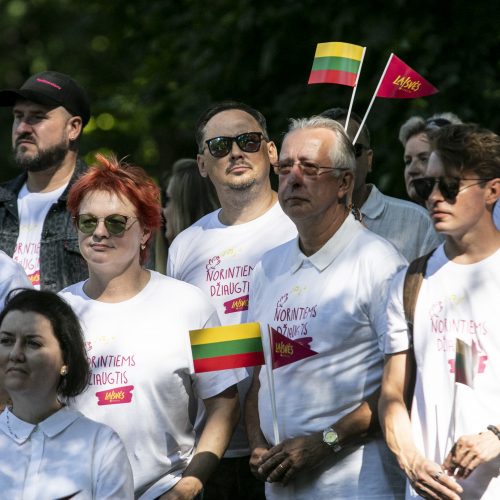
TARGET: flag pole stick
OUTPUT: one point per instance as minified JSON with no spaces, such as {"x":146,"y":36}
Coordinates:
{"x":373,"y":99}
{"x":270,"y":379}
{"x":354,"y":90}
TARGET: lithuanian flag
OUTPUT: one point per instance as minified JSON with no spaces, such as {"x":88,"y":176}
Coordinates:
{"x":336,"y":62}
{"x":225,"y":347}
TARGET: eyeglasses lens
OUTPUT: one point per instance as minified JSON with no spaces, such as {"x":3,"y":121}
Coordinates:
{"x":115,"y":224}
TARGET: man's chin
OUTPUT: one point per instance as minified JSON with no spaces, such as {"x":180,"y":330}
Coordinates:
{"x":243,"y":185}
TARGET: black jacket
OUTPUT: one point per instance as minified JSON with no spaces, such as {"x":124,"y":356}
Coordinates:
{"x":61,"y":263}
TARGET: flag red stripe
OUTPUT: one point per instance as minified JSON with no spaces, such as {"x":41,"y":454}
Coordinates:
{"x":333,"y":76}
{"x":227,"y":362}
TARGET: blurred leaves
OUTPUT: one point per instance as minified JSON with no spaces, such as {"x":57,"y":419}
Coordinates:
{"x":151,"y":67}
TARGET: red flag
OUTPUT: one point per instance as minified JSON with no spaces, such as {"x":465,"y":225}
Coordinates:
{"x":285,"y":351}
{"x":402,"y":82}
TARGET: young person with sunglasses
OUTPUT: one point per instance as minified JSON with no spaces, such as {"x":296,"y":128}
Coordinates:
{"x":406,"y":225}
{"x":218,"y":253}
{"x":448,"y":360}
{"x":136,"y":325}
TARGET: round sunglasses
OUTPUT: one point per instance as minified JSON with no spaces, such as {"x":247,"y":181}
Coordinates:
{"x":448,"y":186}
{"x":249,"y":142}
{"x":115,"y":224}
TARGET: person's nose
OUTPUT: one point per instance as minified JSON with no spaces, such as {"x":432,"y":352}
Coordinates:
{"x":17,"y":353}
{"x":435,"y":196}
{"x":100,"y":230}
{"x":236,"y":151}
{"x":22,"y":126}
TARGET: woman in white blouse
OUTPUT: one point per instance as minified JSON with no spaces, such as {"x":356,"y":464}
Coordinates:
{"x":48,"y":450}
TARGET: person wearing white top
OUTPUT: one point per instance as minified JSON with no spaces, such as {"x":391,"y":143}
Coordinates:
{"x":325,"y":291}
{"x":136,"y":325}
{"x":47,"y":450}
{"x":449,"y":446}
{"x":219,"y":252}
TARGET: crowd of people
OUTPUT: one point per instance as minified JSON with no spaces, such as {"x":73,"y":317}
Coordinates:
{"x":385,"y":308}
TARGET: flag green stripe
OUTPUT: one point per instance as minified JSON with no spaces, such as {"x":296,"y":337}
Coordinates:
{"x":335,"y":63}
{"x":226,"y":348}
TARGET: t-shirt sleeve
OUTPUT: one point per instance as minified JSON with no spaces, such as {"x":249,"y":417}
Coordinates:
{"x":113,"y":473}
{"x":396,"y":338}
{"x":171,"y":260}
{"x":382,"y":273}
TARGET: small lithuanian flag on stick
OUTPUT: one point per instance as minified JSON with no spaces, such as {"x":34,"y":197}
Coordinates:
{"x":337,"y":62}
{"x":225,"y":347}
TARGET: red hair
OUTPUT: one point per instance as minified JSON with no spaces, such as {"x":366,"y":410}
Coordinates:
{"x":129,"y":182}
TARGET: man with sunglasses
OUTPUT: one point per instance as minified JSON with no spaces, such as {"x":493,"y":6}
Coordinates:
{"x":405,"y":224}
{"x":324,"y":295}
{"x":448,"y":359}
{"x":218,"y":253}
{"x":50,"y":111}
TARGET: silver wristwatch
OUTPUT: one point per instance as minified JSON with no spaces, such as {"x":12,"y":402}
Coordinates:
{"x":331,"y":438}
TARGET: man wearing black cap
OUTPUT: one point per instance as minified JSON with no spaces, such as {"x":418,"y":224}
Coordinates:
{"x":50,"y":111}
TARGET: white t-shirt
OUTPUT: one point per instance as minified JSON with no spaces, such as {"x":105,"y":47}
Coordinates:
{"x":32,"y":209}
{"x":66,"y":455}
{"x":220,"y":260}
{"x":142,"y":383}
{"x":455,"y":301}
{"x":333,"y":302}
{"x":12,"y":276}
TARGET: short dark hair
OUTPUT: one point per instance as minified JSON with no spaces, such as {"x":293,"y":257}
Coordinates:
{"x":67,"y":331}
{"x":219,"y":107}
{"x":340,"y":115}
{"x":468,"y":148}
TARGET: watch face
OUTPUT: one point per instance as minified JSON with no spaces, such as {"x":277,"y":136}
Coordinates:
{"x":330,"y":436}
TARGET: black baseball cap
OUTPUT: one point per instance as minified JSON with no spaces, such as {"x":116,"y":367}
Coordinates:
{"x":51,"y":89}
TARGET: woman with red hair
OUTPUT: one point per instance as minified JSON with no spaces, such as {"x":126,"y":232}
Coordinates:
{"x":136,"y":323}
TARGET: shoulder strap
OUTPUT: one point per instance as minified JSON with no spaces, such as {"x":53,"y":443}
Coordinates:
{"x":411,"y":288}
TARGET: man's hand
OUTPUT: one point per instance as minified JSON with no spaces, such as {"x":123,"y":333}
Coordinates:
{"x":430,"y":481}
{"x":185,"y":489}
{"x":256,"y":461}
{"x":284,"y":461}
{"x":470,"y":451}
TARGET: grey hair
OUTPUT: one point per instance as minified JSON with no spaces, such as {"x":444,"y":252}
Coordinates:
{"x":341,"y":152}
{"x":418,"y":125}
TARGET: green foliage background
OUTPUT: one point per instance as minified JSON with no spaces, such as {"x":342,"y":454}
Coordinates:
{"x":151,"y":67}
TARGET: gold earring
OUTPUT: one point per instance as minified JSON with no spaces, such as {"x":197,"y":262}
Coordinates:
{"x":64,"y":370}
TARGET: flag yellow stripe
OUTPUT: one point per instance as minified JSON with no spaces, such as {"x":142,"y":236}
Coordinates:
{"x":224,"y":333}
{"x":339,"y":49}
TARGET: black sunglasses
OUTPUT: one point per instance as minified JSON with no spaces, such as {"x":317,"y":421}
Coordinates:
{"x":115,"y":224}
{"x":248,"y":142}
{"x":359,"y":148}
{"x":448,"y":186}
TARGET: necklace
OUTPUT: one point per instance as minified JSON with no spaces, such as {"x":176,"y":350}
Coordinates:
{"x":7,"y":419}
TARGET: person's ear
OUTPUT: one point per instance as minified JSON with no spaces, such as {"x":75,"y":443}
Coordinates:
{"x":272,"y":152}
{"x":492,"y":191}
{"x":201,"y":165}
{"x":74,"y":127}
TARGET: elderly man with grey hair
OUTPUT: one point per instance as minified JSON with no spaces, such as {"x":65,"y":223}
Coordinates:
{"x":322,"y":298}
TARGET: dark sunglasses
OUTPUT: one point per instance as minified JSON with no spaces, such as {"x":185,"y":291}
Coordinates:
{"x":448,"y":186}
{"x":248,"y":142}
{"x":115,"y":224}
{"x":359,"y":148}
